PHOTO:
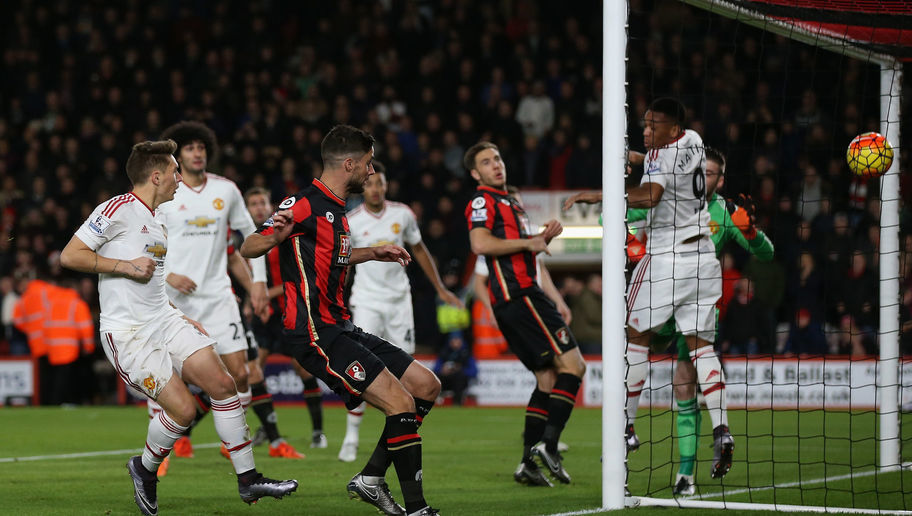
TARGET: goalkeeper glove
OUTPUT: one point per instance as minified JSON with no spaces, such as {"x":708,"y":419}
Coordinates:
{"x":742,"y":215}
{"x":636,"y":250}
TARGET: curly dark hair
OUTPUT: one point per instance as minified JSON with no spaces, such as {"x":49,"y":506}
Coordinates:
{"x":188,"y":131}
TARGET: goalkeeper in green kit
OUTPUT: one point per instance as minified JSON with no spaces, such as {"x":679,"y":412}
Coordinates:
{"x":729,"y":221}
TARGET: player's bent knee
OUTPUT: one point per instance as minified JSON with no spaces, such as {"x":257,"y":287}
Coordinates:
{"x":184,"y":415}
{"x":222,"y":387}
{"x":180,"y":409}
{"x":421,"y":382}
{"x":433,"y":387}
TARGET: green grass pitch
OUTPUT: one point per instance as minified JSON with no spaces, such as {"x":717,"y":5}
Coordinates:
{"x":469,"y":457}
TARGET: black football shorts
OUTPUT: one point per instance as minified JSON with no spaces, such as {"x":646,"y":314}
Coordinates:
{"x":534,"y":330}
{"x":350,"y":362}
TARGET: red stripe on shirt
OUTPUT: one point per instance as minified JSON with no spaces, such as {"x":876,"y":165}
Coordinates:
{"x":323,"y":256}
{"x":511,"y":232}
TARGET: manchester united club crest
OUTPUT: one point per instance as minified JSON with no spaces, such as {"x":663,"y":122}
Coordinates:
{"x":218,"y":203}
{"x":563,"y":335}
{"x":396,"y":228}
{"x":149,"y":384}
{"x":356,"y":371}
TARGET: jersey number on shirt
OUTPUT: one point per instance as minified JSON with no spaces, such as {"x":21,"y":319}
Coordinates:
{"x":699,"y":186}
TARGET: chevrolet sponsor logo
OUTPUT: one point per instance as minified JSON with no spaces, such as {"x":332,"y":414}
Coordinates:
{"x":158,"y":250}
{"x":200,"y":221}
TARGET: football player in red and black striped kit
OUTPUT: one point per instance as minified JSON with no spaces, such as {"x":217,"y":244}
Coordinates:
{"x":315,"y":252}
{"x":535,"y":331}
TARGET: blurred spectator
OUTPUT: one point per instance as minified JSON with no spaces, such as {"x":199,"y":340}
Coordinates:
{"x":744,"y":328}
{"x":804,"y":289}
{"x":857,"y":295}
{"x":805,"y":334}
{"x":455,"y":367}
{"x":60,"y":330}
{"x":730,"y":276}
{"x":586,"y":306}
{"x":11,"y":290}
{"x":811,"y":194}
{"x":536,"y":111}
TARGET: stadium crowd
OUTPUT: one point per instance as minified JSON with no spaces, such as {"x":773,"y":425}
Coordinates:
{"x":84,"y":81}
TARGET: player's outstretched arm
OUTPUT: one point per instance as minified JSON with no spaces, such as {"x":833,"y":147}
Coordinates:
{"x":426,"y":262}
{"x":645,"y":195}
{"x":590,"y":197}
{"x":258,"y":244}
{"x":79,"y":257}
{"x":383,"y":253}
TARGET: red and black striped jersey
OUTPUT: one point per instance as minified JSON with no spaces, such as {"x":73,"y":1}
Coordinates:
{"x":511,"y":275}
{"x":313,"y":263}
{"x":273,"y":279}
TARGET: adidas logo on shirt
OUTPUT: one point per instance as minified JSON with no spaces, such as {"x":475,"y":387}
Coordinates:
{"x":144,"y":229}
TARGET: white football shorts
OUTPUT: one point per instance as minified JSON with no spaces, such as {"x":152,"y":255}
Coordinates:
{"x":391,"y":321}
{"x":220,"y":317}
{"x":146,"y":357}
{"x":683,"y":285}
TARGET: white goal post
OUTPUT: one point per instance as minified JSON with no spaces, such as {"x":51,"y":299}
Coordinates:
{"x":614,"y":146}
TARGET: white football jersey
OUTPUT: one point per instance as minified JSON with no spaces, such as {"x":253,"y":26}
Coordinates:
{"x":198,"y":221}
{"x":124,"y":228}
{"x":395,"y":224}
{"x":682,"y":211}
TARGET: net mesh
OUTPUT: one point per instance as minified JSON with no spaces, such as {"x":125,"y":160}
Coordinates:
{"x":798,"y":335}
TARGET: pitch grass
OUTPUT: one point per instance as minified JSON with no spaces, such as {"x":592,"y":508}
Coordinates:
{"x":469,"y":457}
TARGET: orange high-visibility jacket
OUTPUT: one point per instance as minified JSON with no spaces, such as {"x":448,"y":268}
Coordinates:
{"x":488,"y":342}
{"x":60,"y":321}
{"x":28,"y":315}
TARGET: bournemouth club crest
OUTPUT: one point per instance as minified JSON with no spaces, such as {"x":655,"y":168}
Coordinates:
{"x":356,"y":371}
{"x":563,"y":335}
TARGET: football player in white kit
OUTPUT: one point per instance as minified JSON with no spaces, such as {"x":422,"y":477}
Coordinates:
{"x":680,"y":275}
{"x":147,"y":339}
{"x":196,"y":272}
{"x":381,"y":299}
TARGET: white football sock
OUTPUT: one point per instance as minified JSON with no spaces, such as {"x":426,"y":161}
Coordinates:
{"x":637,"y":370}
{"x":353,"y":424}
{"x":231,"y":426}
{"x":245,"y":398}
{"x":712,"y":383}
{"x":162,"y":434}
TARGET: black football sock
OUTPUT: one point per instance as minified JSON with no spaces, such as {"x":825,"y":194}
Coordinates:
{"x":422,"y":407}
{"x":404,"y":446}
{"x":261,"y":403}
{"x":378,"y":462}
{"x":560,"y":405}
{"x":203,"y":404}
{"x":314,"y":398}
{"x":536,"y":417}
